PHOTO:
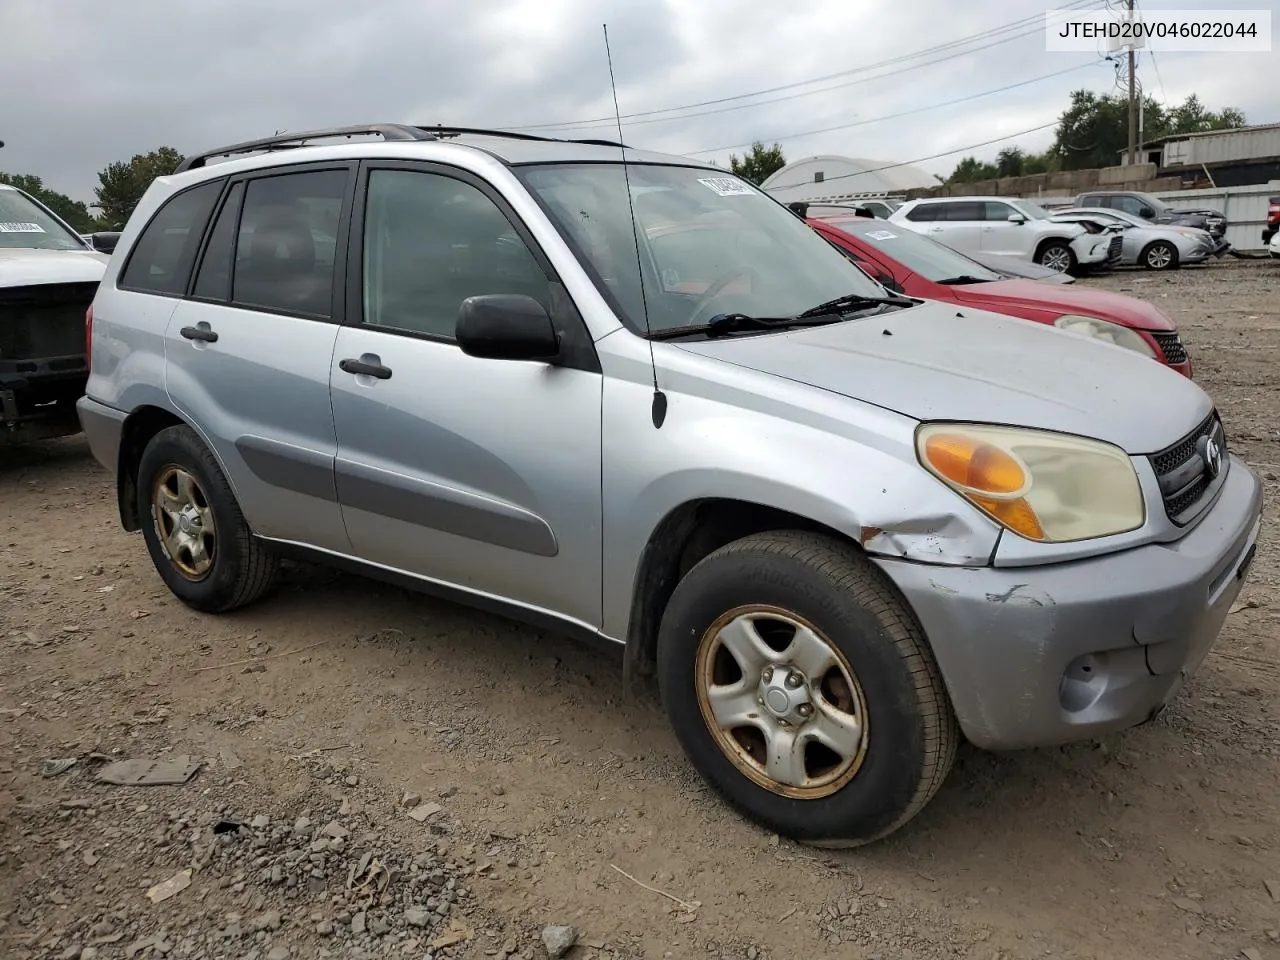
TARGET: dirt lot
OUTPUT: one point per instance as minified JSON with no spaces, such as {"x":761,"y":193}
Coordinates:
{"x":560,"y":803}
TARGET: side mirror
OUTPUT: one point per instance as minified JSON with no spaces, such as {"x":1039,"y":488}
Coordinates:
{"x":105,"y":242}
{"x":1146,"y":213}
{"x":504,"y":326}
{"x":1017,"y":218}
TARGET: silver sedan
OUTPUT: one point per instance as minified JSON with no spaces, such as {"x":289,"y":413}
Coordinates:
{"x":1149,"y":245}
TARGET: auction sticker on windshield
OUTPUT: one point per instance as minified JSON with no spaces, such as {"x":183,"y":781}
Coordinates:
{"x":727,"y":186}
{"x":12,"y":227}
{"x":882,"y":235}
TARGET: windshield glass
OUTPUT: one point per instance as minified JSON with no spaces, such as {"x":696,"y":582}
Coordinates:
{"x":709,"y":244}
{"x":1033,"y":210}
{"x":25,"y":225}
{"x":918,"y":253}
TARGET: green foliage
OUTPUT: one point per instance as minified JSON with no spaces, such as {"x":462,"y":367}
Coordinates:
{"x":1093,"y":132}
{"x":122,"y":184}
{"x":74,"y":212}
{"x":758,"y":165}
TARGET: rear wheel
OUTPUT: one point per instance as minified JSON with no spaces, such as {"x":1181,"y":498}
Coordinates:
{"x":802,"y":689}
{"x":197,"y":537}
{"x":1159,"y":255}
{"x":1058,"y":256}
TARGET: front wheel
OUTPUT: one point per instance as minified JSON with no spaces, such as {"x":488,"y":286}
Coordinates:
{"x":1160,"y":256}
{"x":803,"y":690}
{"x":1057,"y":256}
{"x":198,"y":539}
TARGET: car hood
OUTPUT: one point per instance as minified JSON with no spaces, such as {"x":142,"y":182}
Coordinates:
{"x":1082,"y":301}
{"x":933,"y":362}
{"x":24,"y":267}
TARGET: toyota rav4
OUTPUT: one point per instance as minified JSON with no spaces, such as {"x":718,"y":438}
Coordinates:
{"x":644,"y":403}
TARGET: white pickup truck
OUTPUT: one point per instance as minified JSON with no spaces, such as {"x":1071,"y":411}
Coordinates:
{"x":48,"y":276}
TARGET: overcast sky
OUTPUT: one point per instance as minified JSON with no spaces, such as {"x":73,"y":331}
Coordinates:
{"x":86,"y":82}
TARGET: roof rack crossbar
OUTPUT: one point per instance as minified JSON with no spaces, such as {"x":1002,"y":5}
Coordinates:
{"x":388,"y":131}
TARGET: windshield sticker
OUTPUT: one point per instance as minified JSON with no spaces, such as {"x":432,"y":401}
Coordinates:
{"x":727,"y":186}
{"x":9,"y":226}
{"x":882,"y":235}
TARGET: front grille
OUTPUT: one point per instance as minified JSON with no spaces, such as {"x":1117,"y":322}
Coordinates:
{"x":1186,"y":471}
{"x":1113,"y":249}
{"x":1170,"y":345}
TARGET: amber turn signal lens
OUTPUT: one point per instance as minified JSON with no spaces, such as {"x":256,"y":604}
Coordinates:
{"x":970,"y":463}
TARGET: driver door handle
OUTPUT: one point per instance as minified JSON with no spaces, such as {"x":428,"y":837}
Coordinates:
{"x":360,"y":368}
{"x":203,"y":334}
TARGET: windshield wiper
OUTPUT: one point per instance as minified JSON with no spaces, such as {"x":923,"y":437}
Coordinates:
{"x":723,"y":323}
{"x":963,"y":278}
{"x":850,"y":302}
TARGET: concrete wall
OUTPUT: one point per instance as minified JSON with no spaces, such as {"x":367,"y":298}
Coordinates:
{"x":1064,"y":183}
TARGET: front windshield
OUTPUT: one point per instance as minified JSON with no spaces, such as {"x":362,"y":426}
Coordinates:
{"x":919,"y":254}
{"x":1032,"y":210}
{"x":709,"y":244}
{"x":24,"y":224}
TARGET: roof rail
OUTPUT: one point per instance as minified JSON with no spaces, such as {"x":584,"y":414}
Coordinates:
{"x":443,"y":131}
{"x":388,"y":131}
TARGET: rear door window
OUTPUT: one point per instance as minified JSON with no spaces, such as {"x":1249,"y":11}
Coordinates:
{"x":164,"y":253}
{"x":286,"y":242}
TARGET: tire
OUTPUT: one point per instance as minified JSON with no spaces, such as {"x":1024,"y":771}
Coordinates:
{"x":1056,"y":251}
{"x":1159,"y":255}
{"x":909,"y":733}
{"x":235,"y":568}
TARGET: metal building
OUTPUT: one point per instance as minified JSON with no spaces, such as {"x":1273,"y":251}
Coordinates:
{"x":834,"y":179}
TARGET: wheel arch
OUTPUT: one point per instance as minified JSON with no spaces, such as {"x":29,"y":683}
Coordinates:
{"x":696,"y":528}
{"x":143,"y":423}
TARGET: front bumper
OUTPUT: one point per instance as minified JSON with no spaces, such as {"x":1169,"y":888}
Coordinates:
{"x":1037,"y":656}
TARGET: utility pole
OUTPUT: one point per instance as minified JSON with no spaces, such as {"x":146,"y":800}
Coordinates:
{"x":1133,"y":100}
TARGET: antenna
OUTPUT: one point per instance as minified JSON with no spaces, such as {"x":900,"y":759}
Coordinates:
{"x":659,"y":398}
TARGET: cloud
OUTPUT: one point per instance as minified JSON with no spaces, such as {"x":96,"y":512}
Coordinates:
{"x":88,"y":83}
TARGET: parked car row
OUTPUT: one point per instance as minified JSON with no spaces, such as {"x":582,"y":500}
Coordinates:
{"x":846,"y":495}
{"x":1151,"y":245}
{"x":1009,"y":227}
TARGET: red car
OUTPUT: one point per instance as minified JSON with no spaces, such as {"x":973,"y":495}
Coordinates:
{"x":918,"y":266}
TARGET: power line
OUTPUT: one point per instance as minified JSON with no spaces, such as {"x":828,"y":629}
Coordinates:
{"x":1019,"y":25}
{"x":900,"y":113}
{"x":939,"y":156}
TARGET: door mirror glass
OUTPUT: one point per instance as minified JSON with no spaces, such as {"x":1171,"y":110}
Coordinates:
{"x":506,"y":326}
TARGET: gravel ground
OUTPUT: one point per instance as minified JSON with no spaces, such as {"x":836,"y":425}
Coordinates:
{"x":382,"y":774}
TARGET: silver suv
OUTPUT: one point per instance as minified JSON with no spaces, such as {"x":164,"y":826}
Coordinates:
{"x":644,"y":403}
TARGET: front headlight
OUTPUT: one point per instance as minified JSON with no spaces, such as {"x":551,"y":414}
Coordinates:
{"x":1050,"y":487}
{"x":1105,"y":331}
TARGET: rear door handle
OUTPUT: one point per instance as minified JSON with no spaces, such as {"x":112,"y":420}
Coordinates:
{"x":361,"y":368}
{"x":201,"y":333}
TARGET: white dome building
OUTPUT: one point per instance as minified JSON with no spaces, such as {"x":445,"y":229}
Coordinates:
{"x":832,"y":179}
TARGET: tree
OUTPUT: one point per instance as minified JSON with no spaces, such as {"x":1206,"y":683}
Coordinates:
{"x":1094,"y":130}
{"x":758,"y":165}
{"x":122,"y":184}
{"x":74,"y":212}
{"x":971,"y":169}
{"x":1010,"y":162}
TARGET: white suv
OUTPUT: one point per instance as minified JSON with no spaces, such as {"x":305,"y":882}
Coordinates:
{"x":1018,"y":228}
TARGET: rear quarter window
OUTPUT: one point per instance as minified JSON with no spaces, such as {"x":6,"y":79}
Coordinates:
{"x":161,"y":259}
{"x":923,"y":213}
